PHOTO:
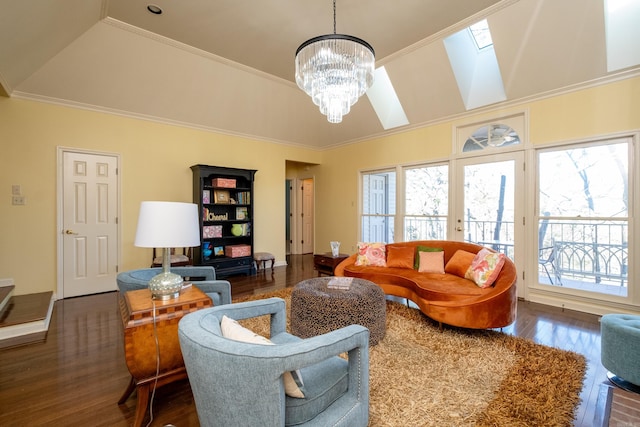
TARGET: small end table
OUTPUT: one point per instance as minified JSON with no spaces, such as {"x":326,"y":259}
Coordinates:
{"x":136,"y":308}
{"x":326,"y":263}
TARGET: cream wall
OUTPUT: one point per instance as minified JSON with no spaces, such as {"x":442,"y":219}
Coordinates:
{"x":155,"y":160}
{"x":591,"y":112}
{"x":596,"y":111}
{"x":337,"y":178}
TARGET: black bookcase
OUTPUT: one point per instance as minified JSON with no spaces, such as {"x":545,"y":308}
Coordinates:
{"x":225,"y":200}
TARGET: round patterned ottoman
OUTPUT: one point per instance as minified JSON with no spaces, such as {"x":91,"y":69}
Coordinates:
{"x":620,"y":349}
{"x":316,"y":308}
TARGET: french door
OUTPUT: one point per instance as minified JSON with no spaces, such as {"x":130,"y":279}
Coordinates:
{"x":489,"y":203}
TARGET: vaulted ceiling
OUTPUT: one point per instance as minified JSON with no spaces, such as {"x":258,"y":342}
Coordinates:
{"x":227,"y":65}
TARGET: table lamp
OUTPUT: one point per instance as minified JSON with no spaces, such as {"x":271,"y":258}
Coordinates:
{"x":167,"y":225}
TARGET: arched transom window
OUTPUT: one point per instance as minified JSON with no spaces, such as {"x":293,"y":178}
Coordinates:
{"x":492,"y":135}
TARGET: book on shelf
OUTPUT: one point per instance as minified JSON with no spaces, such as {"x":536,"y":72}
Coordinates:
{"x":242,"y":213}
{"x":243,"y":197}
{"x":246,"y":229}
{"x":206,"y":196}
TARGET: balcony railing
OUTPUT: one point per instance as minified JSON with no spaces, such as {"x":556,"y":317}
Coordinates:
{"x":572,"y":253}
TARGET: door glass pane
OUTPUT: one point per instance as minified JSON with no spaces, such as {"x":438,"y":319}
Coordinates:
{"x":489,"y":205}
{"x":426,"y":203}
{"x":583,"y":218}
{"x":378,"y":206}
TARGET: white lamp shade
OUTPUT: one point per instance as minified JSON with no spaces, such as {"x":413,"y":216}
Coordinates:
{"x":168,"y":225}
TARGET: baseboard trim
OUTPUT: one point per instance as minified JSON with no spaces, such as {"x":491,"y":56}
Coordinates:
{"x":585,"y":305}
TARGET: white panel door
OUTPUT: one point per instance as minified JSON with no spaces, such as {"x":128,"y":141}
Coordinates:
{"x":89,"y":223}
{"x":378,"y":201}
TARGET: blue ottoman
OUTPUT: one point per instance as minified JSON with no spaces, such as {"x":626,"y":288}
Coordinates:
{"x":620,"y":350}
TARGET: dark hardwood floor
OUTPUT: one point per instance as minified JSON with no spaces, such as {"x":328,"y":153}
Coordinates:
{"x":78,"y":374}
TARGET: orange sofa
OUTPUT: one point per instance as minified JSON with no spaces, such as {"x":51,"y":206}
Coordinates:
{"x":447,"y":298}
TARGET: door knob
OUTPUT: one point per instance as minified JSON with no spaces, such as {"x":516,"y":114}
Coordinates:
{"x":69,"y":232}
{"x":458,"y":228}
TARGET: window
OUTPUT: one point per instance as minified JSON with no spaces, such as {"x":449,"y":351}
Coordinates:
{"x":426,"y":203}
{"x":622,"y":33}
{"x":378,"y":206}
{"x":583,"y":216}
{"x":481,"y":34}
{"x":385,"y":101}
{"x":493,"y":135}
{"x":475,"y":66}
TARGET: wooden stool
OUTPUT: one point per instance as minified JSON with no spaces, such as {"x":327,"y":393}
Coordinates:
{"x":263,"y":257}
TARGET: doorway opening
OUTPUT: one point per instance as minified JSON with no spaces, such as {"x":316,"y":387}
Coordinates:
{"x":300,"y":208}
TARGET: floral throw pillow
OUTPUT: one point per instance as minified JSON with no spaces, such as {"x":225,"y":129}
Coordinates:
{"x":485,"y":268}
{"x":373,"y":254}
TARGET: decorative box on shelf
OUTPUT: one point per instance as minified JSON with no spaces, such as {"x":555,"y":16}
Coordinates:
{"x":211,"y":231}
{"x":235,"y":251}
{"x":223,"y":182}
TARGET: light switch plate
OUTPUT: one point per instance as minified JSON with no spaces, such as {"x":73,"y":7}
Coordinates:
{"x":16,"y":190}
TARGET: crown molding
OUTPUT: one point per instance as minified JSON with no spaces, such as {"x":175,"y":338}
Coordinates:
{"x":517,"y":103}
{"x":161,"y":120}
{"x":601,"y":81}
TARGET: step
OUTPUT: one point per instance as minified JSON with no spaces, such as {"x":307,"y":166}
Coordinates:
{"x":5,"y":295}
{"x":24,"y":319}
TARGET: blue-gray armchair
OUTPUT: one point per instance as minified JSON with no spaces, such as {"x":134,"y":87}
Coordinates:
{"x":241,"y":384}
{"x":204,"y":277}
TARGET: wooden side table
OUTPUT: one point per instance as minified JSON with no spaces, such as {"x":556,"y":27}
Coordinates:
{"x":326,"y":263}
{"x":137,"y":310}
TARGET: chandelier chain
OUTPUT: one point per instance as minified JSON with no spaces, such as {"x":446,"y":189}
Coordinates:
{"x":334,"y":16}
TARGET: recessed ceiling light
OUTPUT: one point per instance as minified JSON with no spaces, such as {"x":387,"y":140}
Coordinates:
{"x":154,"y":9}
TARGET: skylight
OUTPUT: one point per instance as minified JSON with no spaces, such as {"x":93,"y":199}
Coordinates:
{"x":476,"y":69}
{"x":385,"y":101}
{"x":622,"y":33}
{"x":481,"y":34}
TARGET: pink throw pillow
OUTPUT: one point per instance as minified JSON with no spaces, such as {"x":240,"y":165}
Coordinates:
{"x":431,"y":262}
{"x":485,"y":268}
{"x":373,"y":254}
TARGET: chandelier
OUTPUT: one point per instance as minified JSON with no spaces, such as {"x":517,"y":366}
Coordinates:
{"x":335,"y":70}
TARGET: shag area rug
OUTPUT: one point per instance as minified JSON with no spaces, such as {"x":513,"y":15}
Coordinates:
{"x":423,"y":376}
